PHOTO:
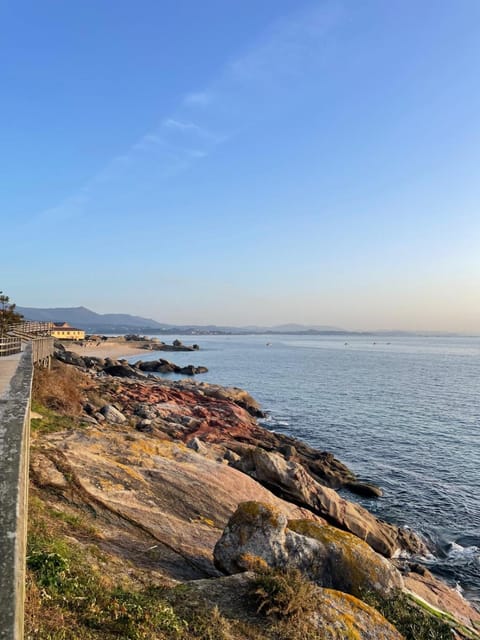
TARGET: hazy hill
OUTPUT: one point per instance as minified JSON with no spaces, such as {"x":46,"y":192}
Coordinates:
{"x":84,"y":318}
{"x":93,"y":322}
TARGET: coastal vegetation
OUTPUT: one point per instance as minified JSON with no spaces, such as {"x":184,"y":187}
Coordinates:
{"x":8,"y":314}
{"x":135,"y":486}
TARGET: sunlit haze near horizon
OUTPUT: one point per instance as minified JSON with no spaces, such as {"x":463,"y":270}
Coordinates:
{"x":244,"y":162}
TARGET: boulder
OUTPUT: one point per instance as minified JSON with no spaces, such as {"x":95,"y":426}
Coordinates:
{"x":150,"y":493}
{"x":190,"y":370}
{"x":112,"y":414}
{"x":145,"y":410}
{"x":69,"y":357}
{"x":233,"y":394}
{"x":94,"y":363}
{"x":327,"y":556}
{"x":151,"y":365}
{"x":145,"y":426}
{"x":364,"y":489}
{"x":292,"y":481}
{"x":201,"y":370}
{"x":122,"y":371}
{"x":352,"y":565}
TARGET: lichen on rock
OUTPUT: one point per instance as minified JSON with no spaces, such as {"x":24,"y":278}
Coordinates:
{"x":328,"y":556}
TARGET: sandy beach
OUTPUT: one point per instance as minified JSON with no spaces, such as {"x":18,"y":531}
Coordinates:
{"x":114,"y":350}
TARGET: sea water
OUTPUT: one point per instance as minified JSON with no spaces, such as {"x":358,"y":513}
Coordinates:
{"x":401,"y":412}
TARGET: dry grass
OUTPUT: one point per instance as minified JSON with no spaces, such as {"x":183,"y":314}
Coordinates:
{"x":285,"y":594}
{"x":61,"y":389}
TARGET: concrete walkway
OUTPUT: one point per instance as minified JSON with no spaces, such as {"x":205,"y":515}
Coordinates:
{"x":8,"y":366}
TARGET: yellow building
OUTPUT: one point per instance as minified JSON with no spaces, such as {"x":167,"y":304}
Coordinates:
{"x":63,"y":331}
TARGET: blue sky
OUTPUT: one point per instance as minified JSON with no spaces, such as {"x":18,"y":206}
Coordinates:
{"x":244,"y":161}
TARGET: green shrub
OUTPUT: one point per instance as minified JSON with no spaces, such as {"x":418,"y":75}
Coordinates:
{"x":51,"y":569}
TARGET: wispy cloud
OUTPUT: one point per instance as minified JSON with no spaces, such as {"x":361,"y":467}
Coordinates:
{"x":209,"y":117}
{"x":199,"y":98}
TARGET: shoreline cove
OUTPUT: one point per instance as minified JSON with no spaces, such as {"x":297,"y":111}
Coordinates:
{"x":118,"y":348}
{"x":402,"y":414}
{"x":174,"y":460}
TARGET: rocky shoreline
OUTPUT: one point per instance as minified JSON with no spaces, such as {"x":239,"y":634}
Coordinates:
{"x":122,"y":368}
{"x":185,"y":469}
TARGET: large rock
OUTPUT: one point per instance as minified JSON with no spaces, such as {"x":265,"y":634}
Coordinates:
{"x":157,"y":503}
{"x":69,"y":357}
{"x":335,"y":615}
{"x":328,"y":556}
{"x":112,"y":414}
{"x":226,"y":416}
{"x":122,"y":371}
{"x":234,"y":394}
{"x":291,"y":480}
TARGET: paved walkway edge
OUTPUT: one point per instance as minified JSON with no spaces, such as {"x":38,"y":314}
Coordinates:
{"x":14,"y":460}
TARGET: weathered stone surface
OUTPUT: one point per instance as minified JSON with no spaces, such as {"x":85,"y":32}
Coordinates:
{"x":443,"y":597}
{"x":158,"y":504}
{"x":68,"y":357}
{"x":164,"y":366}
{"x":112,"y":414}
{"x":91,"y":362}
{"x":364,"y":489}
{"x":46,"y":474}
{"x":328,"y":556}
{"x":352,"y":566}
{"x":337,"y":616}
{"x":151,"y":494}
{"x":234,"y":394}
{"x":122,"y":371}
{"x":291,"y":480}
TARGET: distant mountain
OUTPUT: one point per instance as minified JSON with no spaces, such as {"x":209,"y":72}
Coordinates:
{"x":291,"y":328}
{"x":294,"y":328}
{"x":92,"y":322}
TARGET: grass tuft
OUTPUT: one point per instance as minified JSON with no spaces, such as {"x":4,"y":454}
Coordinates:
{"x":410,"y":620}
{"x":61,"y":388}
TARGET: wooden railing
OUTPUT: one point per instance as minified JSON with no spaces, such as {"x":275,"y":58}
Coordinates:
{"x":29,"y":329}
{"x":39,"y":333}
{"x":42,"y":350}
{"x":9,"y":345}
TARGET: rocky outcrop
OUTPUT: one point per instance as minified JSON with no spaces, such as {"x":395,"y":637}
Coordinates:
{"x":336,"y":616}
{"x":69,"y":357}
{"x":164,"y":366}
{"x":290,"y":480}
{"x":223,"y":417}
{"x":157,"y":470}
{"x":328,"y":556}
{"x":123,"y":369}
{"x":157,"y":503}
{"x":152,"y":344}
